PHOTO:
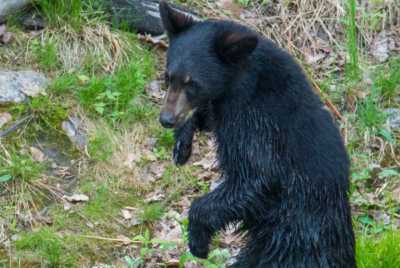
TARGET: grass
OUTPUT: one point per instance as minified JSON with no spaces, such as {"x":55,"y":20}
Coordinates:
{"x":47,"y":247}
{"x":72,"y":12}
{"x":379,"y":251}
{"x":352,"y":46}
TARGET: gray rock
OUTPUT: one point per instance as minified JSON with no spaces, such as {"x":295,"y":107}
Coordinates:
{"x":16,"y":86}
{"x":8,"y":7}
{"x":393,"y":119}
{"x":75,"y":131}
{"x":140,"y":15}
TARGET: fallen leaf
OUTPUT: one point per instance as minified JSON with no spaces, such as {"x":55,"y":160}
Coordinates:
{"x":37,"y":154}
{"x":126,"y":214}
{"x":76,"y":198}
{"x":155,"y":196}
{"x":154,"y":90}
{"x":4,"y":119}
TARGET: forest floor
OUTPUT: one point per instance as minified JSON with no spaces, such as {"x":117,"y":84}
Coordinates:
{"x":116,"y":199}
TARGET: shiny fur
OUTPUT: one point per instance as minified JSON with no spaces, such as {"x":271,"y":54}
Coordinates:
{"x":285,"y":168}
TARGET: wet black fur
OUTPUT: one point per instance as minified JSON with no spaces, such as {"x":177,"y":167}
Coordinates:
{"x":285,"y":166}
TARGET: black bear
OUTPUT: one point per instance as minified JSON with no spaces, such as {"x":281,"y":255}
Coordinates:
{"x":284,"y":164}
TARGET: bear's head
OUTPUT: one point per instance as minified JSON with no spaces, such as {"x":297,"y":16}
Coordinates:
{"x":202,"y":61}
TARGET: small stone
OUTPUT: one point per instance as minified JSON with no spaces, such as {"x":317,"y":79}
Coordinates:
{"x":76,"y":198}
{"x":393,"y":119}
{"x":7,"y":38}
{"x":4,"y":119}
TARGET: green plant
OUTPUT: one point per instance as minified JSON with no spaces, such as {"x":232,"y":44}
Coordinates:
{"x":387,"y":79}
{"x":369,"y":112}
{"x":111,"y":96}
{"x":72,"y":12}
{"x":45,"y":54}
{"x":151,"y":213}
{"x":48,"y":245}
{"x":352,"y":68}
{"x":20,"y":167}
{"x":381,"y":251}
{"x":100,"y":147}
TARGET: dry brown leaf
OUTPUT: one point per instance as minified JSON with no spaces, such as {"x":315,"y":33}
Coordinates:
{"x":126,"y":214}
{"x":37,"y":154}
{"x":155,"y":196}
{"x":154,"y":90}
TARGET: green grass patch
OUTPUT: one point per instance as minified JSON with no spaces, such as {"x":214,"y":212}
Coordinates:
{"x":20,"y":167}
{"x":387,"y":80}
{"x":352,"y":67}
{"x":100,"y":147}
{"x":151,"y":213}
{"x":113,"y":96}
{"x":71,"y":12}
{"x":379,"y":251}
{"x":47,"y":246}
{"x":45,"y":54}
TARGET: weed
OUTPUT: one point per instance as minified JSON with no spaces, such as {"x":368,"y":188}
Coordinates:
{"x":49,"y":112}
{"x":151,"y":213}
{"x":111,"y":96}
{"x":387,"y":80}
{"x":100,"y":147}
{"x":352,"y":68}
{"x":72,"y":12}
{"x":47,"y":245}
{"x":379,"y":251}
{"x":369,"y":112}
{"x":45,"y":54}
{"x":20,"y":167}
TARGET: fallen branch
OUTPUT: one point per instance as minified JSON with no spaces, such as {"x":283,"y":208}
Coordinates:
{"x":21,"y":122}
{"x":154,"y":40}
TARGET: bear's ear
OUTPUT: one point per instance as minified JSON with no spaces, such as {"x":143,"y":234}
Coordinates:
{"x":233,"y":47}
{"x":174,"y":21}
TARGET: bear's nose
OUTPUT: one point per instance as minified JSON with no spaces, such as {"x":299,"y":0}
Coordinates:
{"x":167,"y":120}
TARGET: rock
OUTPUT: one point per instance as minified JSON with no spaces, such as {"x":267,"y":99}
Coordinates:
{"x":139,"y":15}
{"x":380,"y":47}
{"x":4,"y":119}
{"x":74,"y":130}
{"x":75,"y":198}
{"x":8,"y":7}
{"x":393,"y":119}
{"x":33,"y":22}
{"x":16,"y":86}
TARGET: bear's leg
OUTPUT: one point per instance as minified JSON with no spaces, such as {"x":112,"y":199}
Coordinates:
{"x":183,"y":142}
{"x":214,"y":211}
{"x":201,"y":120}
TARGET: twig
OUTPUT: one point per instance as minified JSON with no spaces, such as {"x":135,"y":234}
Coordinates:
{"x":156,"y":40}
{"x":328,"y":103}
{"x":21,"y":122}
{"x":111,"y":239}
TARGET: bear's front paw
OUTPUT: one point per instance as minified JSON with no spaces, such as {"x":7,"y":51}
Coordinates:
{"x":199,"y":240}
{"x":182,"y":152}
